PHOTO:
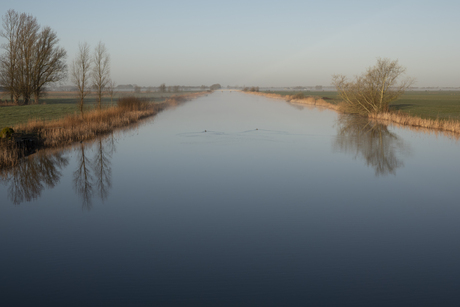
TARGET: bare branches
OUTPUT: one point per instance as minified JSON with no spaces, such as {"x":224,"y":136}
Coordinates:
{"x":79,"y":72}
{"x":373,"y":91}
{"x":49,"y":65}
{"x":101,"y":71}
{"x":32,"y":58}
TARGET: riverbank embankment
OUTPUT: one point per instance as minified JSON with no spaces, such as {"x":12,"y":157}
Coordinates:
{"x":77,"y":128}
{"x":449,"y":127}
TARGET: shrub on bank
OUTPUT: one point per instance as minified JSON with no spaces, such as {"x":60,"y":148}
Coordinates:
{"x":298,"y":96}
{"x":6,"y":132}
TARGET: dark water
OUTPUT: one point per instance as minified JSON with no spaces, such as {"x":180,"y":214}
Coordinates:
{"x":273,"y":205}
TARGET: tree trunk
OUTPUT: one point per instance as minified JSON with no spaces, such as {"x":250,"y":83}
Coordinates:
{"x":36,"y":97}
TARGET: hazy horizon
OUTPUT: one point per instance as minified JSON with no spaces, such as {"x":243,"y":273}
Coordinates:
{"x":263,"y":43}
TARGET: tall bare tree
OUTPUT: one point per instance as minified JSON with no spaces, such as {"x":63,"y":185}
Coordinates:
{"x":373,"y":91}
{"x":9,"y":60}
{"x":80,"y":72}
{"x":101,"y":71}
{"x":28,"y":34}
{"x":49,"y":62}
{"x":32,"y":58}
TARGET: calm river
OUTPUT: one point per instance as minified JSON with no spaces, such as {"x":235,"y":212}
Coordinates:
{"x":236,"y":200}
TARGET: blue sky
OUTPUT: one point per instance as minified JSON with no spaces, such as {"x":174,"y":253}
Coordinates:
{"x":265,"y":43}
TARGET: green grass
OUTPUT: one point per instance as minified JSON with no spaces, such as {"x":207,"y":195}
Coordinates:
{"x":426,"y":104}
{"x":432,"y":105}
{"x":57,"y":105}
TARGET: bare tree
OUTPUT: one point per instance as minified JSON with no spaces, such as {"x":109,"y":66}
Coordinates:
{"x":162,"y":88}
{"x":32,"y":58}
{"x":49,"y":62}
{"x":9,"y":60}
{"x":28,"y":33}
{"x":373,"y":91}
{"x":79,"y":73}
{"x":101,"y":71}
{"x":21,"y":32}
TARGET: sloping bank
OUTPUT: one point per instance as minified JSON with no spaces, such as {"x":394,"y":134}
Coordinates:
{"x":448,"y":127}
{"x":37,"y":134}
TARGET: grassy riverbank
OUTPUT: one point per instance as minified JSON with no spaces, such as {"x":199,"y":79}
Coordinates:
{"x":428,"y":110}
{"x":444,"y":105}
{"x":76,"y":128}
{"x":57,"y":105}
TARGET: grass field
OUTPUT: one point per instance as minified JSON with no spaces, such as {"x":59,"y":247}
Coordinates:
{"x":429,"y":104}
{"x":59,"y":104}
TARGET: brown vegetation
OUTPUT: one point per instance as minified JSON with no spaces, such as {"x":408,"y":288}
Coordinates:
{"x":450,"y":127}
{"x":374,"y":90}
{"x":296,"y":99}
{"x":77,"y":128}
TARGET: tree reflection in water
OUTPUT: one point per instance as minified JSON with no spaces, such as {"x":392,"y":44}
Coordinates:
{"x":27,"y":180}
{"x":43,"y":170}
{"x":95,"y":172}
{"x":372,"y":142}
{"x":102,"y":170}
{"x":82,"y":178}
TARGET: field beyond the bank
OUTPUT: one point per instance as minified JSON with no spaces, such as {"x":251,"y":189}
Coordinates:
{"x":60,"y":104}
{"x":425,"y":104}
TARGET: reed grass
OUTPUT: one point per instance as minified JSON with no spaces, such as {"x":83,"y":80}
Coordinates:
{"x":452,"y":127}
{"x":77,"y":128}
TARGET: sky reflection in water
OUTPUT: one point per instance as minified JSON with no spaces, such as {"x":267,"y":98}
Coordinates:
{"x":274,"y":204}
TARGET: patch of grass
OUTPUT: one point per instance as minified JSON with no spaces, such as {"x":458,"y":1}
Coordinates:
{"x":444,"y":105}
{"x":429,"y":105}
{"x":56,"y":105}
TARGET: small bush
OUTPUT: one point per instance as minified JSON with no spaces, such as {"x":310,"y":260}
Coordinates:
{"x":6,"y":132}
{"x":132,"y":103}
{"x":298,"y":96}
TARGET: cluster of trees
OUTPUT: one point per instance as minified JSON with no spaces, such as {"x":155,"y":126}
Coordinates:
{"x":170,"y":89}
{"x":251,"y":89}
{"x":374,"y":90}
{"x":215,"y":87}
{"x":32,"y":58}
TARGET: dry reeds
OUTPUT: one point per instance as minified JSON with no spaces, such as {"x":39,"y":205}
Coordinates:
{"x":77,"y":128}
{"x":300,"y":99}
{"x":132,"y":103}
{"x":402,"y":119}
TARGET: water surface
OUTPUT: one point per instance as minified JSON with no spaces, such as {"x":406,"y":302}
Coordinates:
{"x":234,"y":199}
